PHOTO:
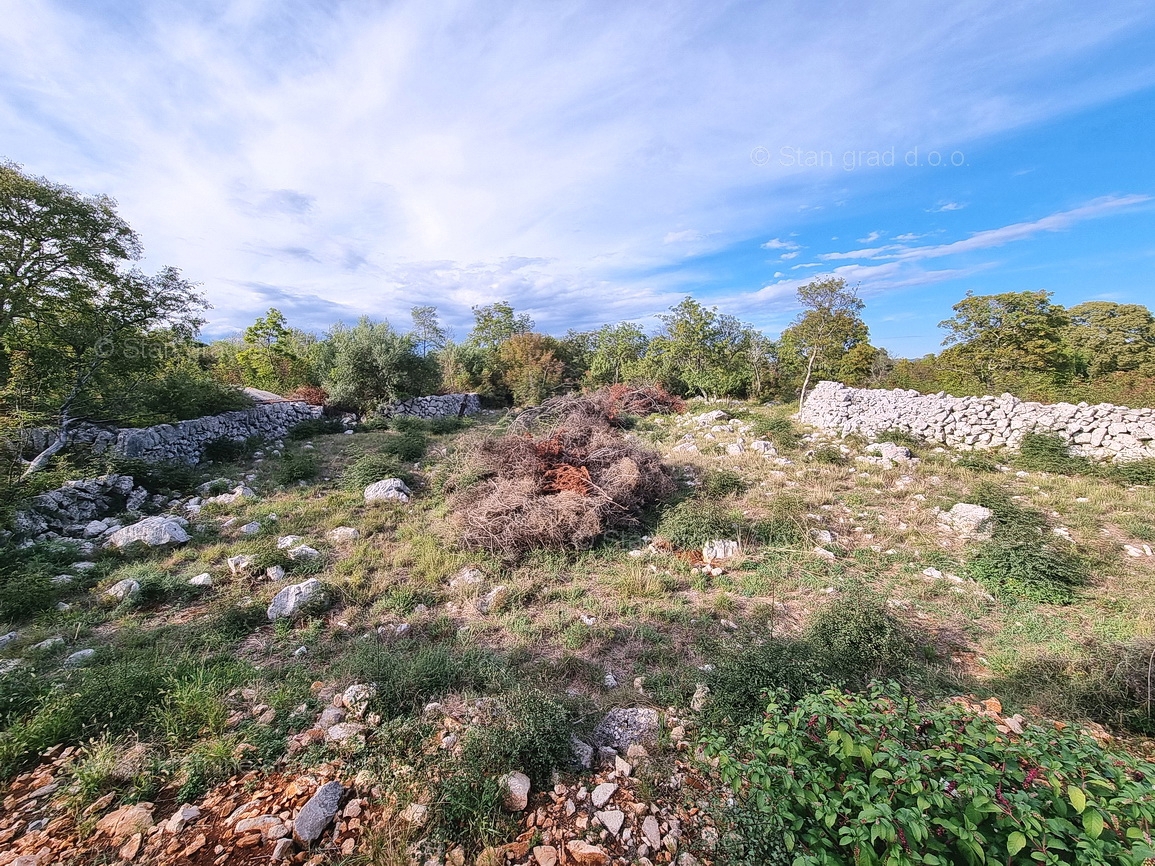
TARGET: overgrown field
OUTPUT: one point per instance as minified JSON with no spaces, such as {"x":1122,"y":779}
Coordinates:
{"x":494,"y":621}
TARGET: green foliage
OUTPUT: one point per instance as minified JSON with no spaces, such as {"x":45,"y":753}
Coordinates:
{"x":1140,"y":472}
{"x":226,"y":450}
{"x":165,"y":477}
{"x":699,"y":351}
{"x":896,"y":783}
{"x":719,"y":483}
{"x":371,"y":365}
{"x":853,"y":640}
{"x":25,"y":578}
{"x":496,"y":323}
{"x":1105,"y":682}
{"x":315,"y":427}
{"x":207,"y":763}
{"x":1041,"y":452}
{"x":1106,"y":338}
{"x":369,"y":469}
{"x":899,"y":437}
{"x":976,"y":462}
{"x":295,"y":466}
{"x":828,"y":455}
{"x":409,"y":445}
{"x":781,"y":431}
{"x":829,"y":327}
{"x":1021,"y":559}
{"x":692,"y":522}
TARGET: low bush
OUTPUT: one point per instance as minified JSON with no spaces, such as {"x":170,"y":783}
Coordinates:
{"x":780,"y":431}
{"x":26,"y":578}
{"x":853,"y":640}
{"x":1042,"y":452}
{"x":899,"y":437}
{"x":785,"y":523}
{"x":977,"y":462}
{"x":164,"y":477}
{"x":879,"y":778}
{"x":1138,"y":472}
{"x":719,"y":483}
{"x":369,"y":469}
{"x":225,"y":450}
{"x":829,"y":455}
{"x":315,"y":427}
{"x":692,"y":522}
{"x":409,"y":445}
{"x":1022,"y":559}
{"x":294,"y":467}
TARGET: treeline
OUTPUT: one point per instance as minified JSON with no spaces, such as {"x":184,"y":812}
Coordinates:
{"x":85,"y":335}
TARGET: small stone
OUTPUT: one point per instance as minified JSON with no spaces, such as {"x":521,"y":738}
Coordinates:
{"x":275,"y":572}
{"x":205,"y":580}
{"x":602,"y":794}
{"x":181,"y":818}
{"x":612,"y":820}
{"x":516,"y":786}
{"x":316,"y":815}
{"x":282,"y":850}
{"x":415,"y":814}
{"x":342,"y":535}
{"x":251,"y":528}
{"x":240,"y":563}
{"x":294,"y":599}
{"x":131,"y":848}
{"x":545,"y":855}
{"x":303,"y":552}
{"x":493,"y":601}
{"x":343,"y":732}
{"x":287,"y":541}
{"x":123,"y":590}
{"x":701,"y":695}
{"x":624,"y":726}
{"x":585,"y":854}
{"x":389,"y":489}
{"x":652,"y":832}
{"x":80,"y":658}
{"x":356,"y":698}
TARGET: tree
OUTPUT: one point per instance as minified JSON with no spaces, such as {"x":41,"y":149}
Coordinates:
{"x":496,"y":323}
{"x":530,"y":367}
{"x":427,"y":329}
{"x":1105,"y":338}
{"x":271,"y":355}
{"x":86,"y":358}
{"x":698,"y":350}
{"x":372,"y":364}
{"x":57,"y":247}
{"x":993,"y":336}
{"x":616,"y":353}
{"x":829,"y":326}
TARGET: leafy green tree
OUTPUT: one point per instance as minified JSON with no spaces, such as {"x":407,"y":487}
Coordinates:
{"x":58,"y":249}
{"x":829,"y":326}
{"x":995,"y":337}
{"x":271,"y":355}
{"x":427,"y":330}
{"x":530,"y":367}
{"x":1106,"y":337}
{"x":496,"y":323}
{"x":372,"y":364}
{"x":698,"y":350}
{"x":616,"y":353}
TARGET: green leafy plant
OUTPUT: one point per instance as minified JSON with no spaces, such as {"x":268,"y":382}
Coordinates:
{"x":1042,"y":452}
{"x":976,"y":462}
{"x":315,"y":427}
{"x":780,"y":431}
{"x":294,"y":467}
{"x":874,"y":778}
{"x":719,"y":483}
{"x":693,"y":522}
{"x":828,"y":455}
{"x":370,"y":468}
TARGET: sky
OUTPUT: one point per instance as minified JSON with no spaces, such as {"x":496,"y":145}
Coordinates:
{"x":597,"y":162}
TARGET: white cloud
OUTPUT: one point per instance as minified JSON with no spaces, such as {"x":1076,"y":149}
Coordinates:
{"x":946,"y":206}
{"x":787,"y":256}
{"x":366,"y":157}
{"x":779,"y":244}
{"x":687,"y":236}
{"x":870,"y":238}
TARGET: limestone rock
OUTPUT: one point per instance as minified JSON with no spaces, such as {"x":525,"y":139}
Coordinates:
{"x":623,"y":727}
{"x":158,"y":531}
{"x":969,"y":521}
{"x":516,"y":788}
{"x":204,"y":580}
{"x":602,"y":794}
{"x":585,"y":854}
{"x":123,"y":589}
{"x":342,"y":535}
{"x":317,"y":813}
{"x":295,"y":598}
{"x":389,"y":489}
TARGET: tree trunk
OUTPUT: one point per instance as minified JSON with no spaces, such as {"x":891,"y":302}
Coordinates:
{"x":63,"y":437}
{"x":806,"y":381}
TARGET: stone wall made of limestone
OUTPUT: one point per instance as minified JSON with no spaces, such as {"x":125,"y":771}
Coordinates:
{"x":1101,"y":432}
{"x":185,"y":441}
{"x":437,"y":406}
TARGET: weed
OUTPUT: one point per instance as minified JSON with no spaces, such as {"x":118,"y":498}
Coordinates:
{"x":899,"y":437}
{"x":294,"y":467}
{"x":1041,"y":452}
{"x":369,"y":469}
{"x":719,"y":483}
{"x":976,"y":462}
{"x":157,"y":477}
{"x":207,"y":763}
{"x":692,"y":522}
{"x":225,"y":450}
{"x":828,"y":455}
{"x":780,"y":431}
{"x":315,"y":427}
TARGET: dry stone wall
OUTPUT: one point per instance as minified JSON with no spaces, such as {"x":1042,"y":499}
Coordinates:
{"x":1101,"y":432}
{"x":437,"y":406}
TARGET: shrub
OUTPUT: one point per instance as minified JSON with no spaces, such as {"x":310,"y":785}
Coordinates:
{"x":785,"y":523}
{"x":294,"y":467}
{"x":1041,"y":452}
{"x":409,"y":445}
{"x":976,"y":462}
{"x":446,"y":424}
{"x":717,"y":483}
{"x":161,"y":477}
{"x":315,"y":427}
{"x":896,"y":783}
{"x":1139,"y":472}
{"x":780,"y":431}
{"x":693,"y":522}
{"x":899,"y":437}
{"x":369,"y":469}
{"x":225,"y":450}
{"x":1020,"y":560}
{"x":26,"y":578}
{"x":855,"y":639}
{"x":828,"y":455}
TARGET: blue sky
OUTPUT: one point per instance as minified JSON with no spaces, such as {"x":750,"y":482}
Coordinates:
{"x":595,"y":162}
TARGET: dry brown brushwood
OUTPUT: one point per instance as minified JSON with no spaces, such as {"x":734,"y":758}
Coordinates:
{"x":564,"y":487}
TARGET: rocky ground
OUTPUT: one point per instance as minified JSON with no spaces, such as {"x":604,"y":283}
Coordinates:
{"x":324,"y":660}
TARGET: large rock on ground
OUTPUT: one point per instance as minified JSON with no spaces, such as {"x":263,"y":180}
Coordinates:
{"x":969,"y":521}
{"x":388,"y":490}
{"x":627,"y":726}
{"x":317,"y":813}
{"x":158,"y":531}
{"x":294,"y":599}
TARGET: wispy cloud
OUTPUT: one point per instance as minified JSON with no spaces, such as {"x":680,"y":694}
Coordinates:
{"x":871,"y":238}
{"x":382,"y":155}
{"x":945,"y":206}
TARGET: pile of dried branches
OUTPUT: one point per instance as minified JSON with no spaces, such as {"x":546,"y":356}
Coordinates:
{"x":561,"y":487}
{"x":607,"y":405}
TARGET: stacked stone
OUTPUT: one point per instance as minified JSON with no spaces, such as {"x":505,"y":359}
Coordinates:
{"x":437,"y":406}
{"x":1101,"y":432}
{"x":185,"y":441}
{"x":71,"y":509}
